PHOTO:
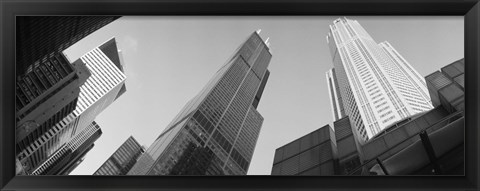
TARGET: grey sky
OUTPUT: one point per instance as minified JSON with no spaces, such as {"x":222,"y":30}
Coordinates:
{"x":168,"y":60}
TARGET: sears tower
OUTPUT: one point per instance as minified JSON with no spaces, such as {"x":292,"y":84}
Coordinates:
{"x":216,"y":131}
{"x":371,"y":82}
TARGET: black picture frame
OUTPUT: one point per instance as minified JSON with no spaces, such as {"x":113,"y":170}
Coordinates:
{"x":470,"y":9}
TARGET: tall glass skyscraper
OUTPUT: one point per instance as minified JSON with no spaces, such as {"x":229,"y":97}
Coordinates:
{"x":216,"y":132}
{"x":375,"y":84}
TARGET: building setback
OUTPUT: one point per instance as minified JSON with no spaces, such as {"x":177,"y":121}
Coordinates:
{"x":378,"y":87}
{"x":216,"y":132}
{"x":123,"y":159}
{"x":336,"y":102}
{"x":106,"y":83}
{"x":41,"y":37}
{"x":429,"y":143}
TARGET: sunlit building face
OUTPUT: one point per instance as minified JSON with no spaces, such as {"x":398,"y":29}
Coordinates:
{"x":375,"y":85}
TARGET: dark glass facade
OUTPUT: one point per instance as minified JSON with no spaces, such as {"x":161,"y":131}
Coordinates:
{"x":216,"y":132}
{"x":447,"y":86}
{"x":312,"y":154}
{"x":123,"y":159}
{"x":40,"y":37}
{"x":348,"y":157}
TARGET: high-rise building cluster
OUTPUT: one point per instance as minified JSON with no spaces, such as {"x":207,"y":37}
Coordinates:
{"x":57,"y":100}
{"x":388,"y":120}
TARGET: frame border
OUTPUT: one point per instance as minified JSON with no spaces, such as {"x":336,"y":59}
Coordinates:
{"x":9,"y":9}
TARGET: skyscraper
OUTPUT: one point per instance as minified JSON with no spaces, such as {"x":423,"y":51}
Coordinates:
{"x":377,"y":86}
{"x":45,"y":96}
{"x":105,"y":84}
{"x":123,"y":159}
{"x":216,"y":132}
{"x":430,"y":143}
{"x":63,"y":161}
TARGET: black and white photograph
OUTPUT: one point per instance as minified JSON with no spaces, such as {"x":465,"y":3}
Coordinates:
{"x":240,"y":95}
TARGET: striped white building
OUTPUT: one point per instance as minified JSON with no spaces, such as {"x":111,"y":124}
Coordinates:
{"x":375,"y":84}
{"x":68,"y":151}
{"x":106,"y":83}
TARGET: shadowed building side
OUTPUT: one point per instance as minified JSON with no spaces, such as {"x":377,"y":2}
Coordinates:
{"x":312,"y":154}
{"x":41,"y":37}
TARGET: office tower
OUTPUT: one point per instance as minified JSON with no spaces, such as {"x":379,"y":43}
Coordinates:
{"x":312,"y":154}
{"x":63,"y":161}
{"x":378,"y":87}
{"x":40,"y":37}
{"x":123,"y":159}
{"x":98,"y":92}
{"x":216,"y":132}
{"x":429,"y":143}
{"x":46,"y":95}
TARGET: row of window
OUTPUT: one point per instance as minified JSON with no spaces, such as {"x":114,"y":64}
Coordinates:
{"x":43,"y":128}
{"x":51,"y":162}
{"x":385,"y":114}
{"x":383,"y":109}
{"x":388,"y":119}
